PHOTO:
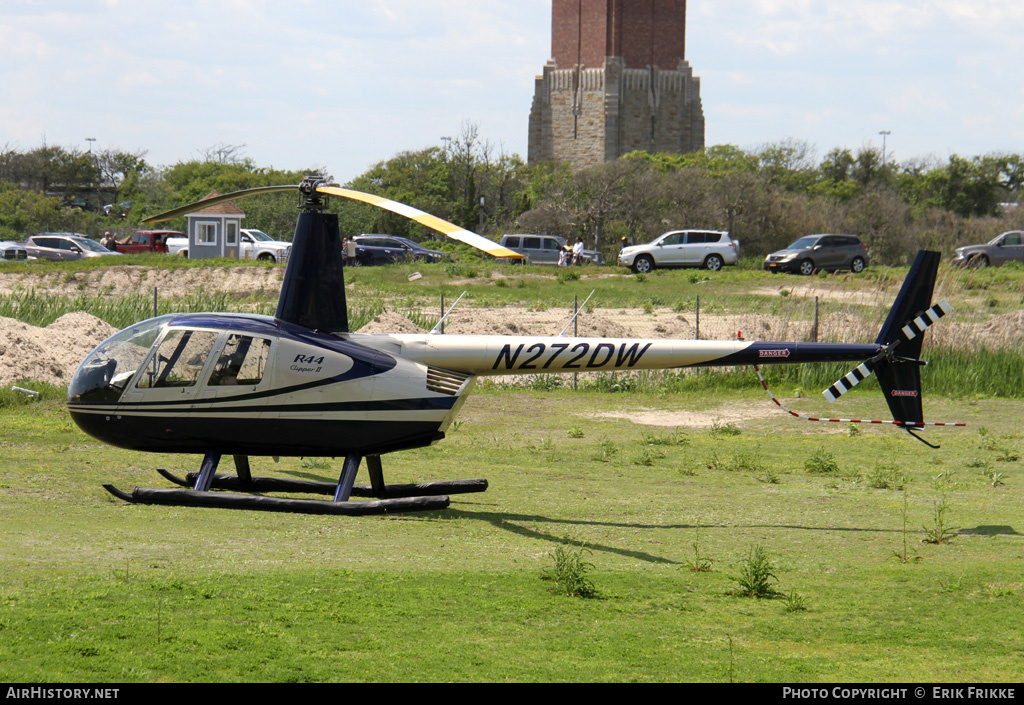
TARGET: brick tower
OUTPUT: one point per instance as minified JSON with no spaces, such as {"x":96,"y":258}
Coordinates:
{"x":618,"y":81}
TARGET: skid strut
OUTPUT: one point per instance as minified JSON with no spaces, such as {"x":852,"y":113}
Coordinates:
{"x":386,"y":498}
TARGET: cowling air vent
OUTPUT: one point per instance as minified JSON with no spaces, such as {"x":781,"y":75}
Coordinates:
{"x":445,"y":381}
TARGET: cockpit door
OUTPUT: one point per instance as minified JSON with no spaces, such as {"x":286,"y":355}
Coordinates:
{"x":174,"y":368}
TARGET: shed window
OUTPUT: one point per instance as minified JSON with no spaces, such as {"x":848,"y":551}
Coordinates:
{"x":206,"y":233}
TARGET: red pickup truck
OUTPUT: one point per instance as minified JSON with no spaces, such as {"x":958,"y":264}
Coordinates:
{"x":148,"y":241}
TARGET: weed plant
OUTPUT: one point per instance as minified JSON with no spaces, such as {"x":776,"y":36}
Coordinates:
{"x":940,"y":531}
{"x":757,"y":575}
{"x":700,"y":562}
{"x":822,"y":462}
{"x":795,"y":602}
{"x":570,"y":571}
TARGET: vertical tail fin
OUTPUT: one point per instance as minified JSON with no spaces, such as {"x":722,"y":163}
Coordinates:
{"x":898,"y":366}
{"x":899,"y":373}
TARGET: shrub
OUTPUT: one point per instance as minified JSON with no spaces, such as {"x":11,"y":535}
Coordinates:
{"x":757,"y":574}
{"x":570,"y":571}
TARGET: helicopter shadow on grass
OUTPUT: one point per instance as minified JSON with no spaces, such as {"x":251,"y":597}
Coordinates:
{"x":516,"y":524}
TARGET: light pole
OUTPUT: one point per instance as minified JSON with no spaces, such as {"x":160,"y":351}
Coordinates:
{"x":884,"y":134}
{"x":90,"y":140}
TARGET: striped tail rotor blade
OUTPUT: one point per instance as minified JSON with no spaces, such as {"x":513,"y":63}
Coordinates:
{"x":855,"y":377}
{"x":925,"y":320}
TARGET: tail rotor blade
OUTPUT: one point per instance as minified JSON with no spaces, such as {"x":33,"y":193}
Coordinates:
{"x":909,"y":332}
{"x":924,"y":321}
{"x":855,"y":377}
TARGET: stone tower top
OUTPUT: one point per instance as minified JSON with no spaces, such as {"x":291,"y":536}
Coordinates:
{"x":642,"y":32}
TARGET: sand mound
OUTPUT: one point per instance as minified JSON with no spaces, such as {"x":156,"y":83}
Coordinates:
{"x":50,"y":354}
{"x":469,"y":321}
{"x":390,"y":322}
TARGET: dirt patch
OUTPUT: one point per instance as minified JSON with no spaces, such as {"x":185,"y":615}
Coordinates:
{"x":119,"y":281}
{"x":876,"y":297}
{"x":725,"y":414}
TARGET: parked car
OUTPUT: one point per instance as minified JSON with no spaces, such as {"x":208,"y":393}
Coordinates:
{"x":64,"y":246}
{"x":388,"y":249}
{"x":252,"y":244}
{"x":147,"y":241}
{"x":709,"y":249}
{"x":12,"y":251}
{"x":541,"y":249}
{"x":1006,"y":247}
{"x":813,"y":252}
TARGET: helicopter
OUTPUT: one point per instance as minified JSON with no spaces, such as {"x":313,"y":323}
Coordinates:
{"x":301,"y":384}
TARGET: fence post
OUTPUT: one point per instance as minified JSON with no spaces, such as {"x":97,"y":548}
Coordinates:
{"x":698,"y":323}
{"x":154,"y":302}
{"x":575,"y":332}
{"x":815,"y":329}
{"x":442,"y":314}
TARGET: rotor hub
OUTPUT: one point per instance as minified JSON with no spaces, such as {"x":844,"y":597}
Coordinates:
{"x":312,"y":200}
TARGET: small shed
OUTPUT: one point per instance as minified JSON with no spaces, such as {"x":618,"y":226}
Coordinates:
{"x":214,"y":231}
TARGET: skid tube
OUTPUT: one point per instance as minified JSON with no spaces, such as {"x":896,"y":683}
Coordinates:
{"x":388,"y":499}
{"x":225,"y":500}
{"x":223,"y":481}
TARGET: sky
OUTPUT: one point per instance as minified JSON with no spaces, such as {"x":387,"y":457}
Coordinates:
{"x":344,"y":84}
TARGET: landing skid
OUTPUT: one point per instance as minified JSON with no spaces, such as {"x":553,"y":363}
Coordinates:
{"x":225,"y":500}
{"x":389,"y":499}
{"x":274,"y":484}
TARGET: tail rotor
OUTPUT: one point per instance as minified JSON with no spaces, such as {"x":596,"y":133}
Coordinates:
{"x":898,"y":365}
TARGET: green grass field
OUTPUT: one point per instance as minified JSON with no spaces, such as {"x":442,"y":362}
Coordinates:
{"x":886,"y":560}
{"x":97,"y":590}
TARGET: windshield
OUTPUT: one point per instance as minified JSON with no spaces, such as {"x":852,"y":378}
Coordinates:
{"x":412,"y":245}
{"x":109,"y":368}
{"x":259,"y":235}
{"x":89,"y":245}
{"x":804,"y":243}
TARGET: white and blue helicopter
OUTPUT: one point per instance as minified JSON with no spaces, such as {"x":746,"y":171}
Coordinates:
{"x":300,"y":384}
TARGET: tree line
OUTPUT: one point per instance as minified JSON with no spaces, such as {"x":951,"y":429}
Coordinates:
{"x":766,"y":197}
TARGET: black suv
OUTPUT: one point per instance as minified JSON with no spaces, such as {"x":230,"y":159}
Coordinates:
{"x":813,"y":252}
{"x":387,"y":249}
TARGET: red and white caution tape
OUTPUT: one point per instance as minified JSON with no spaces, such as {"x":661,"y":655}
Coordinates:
{"x":891,"y":422}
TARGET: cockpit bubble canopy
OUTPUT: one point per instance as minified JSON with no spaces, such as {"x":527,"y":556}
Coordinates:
{"x":108,"y":369}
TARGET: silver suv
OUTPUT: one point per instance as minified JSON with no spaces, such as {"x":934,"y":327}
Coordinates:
{"x":542,"y":249}
{"x":1008,"y":247}
{"x":709,"y":249}
{"x":64,"y":246}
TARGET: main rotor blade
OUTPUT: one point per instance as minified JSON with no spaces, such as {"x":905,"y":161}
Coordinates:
{"x":451,"y":230}
{"x":199,"y":205}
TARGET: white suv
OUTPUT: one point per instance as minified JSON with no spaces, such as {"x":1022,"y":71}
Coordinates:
{"x":709,"y":249}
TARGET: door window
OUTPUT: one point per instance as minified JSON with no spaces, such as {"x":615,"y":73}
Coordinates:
{"x":179,"y":360}
{"x":243,"y":362}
